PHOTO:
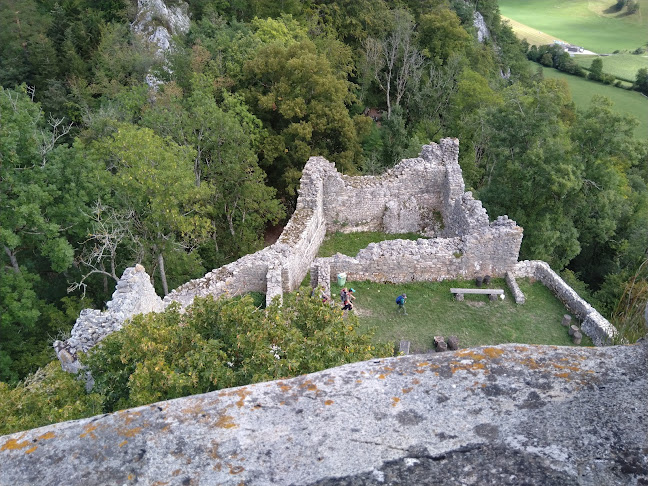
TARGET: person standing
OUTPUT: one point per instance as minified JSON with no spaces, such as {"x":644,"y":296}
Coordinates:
{"x":400,"y":300}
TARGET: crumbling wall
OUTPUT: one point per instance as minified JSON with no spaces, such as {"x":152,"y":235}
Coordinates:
{"x":493,"y":251}
{"x":134,"y":295}
{"x":597,"y":327}
{"x":424,"y":195}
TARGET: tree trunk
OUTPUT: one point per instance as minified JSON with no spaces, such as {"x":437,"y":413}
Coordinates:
{"x":12,"y":259}
{"x":165,"y":286}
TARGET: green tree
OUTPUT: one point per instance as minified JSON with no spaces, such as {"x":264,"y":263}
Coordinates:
{"x":442,"y":35}
{"x":531,"y":175}
{"x":302,"y":102}
{"x":223,"y":343}
{"x":394,"y":61}
{"x":44,"y":190}
{"x":48,"y":396}
{"x":641,"y":81}
{"x":153,"y":182}
{"x":596,"y":70}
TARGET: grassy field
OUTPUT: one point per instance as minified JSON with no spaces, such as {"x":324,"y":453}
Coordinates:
{"x":533,"y":36}
{"x":587,"y":23}
{"x":628,"y":102}
{"x":432,"y":311}
{"x":623,"y":66}
{"x":351,"y":243}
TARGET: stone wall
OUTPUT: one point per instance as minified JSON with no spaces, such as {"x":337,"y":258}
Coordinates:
{"x":422,"y":195}
{"x":593,"y":323}
{"x":493,"y":251}
{"x":134,"y":295}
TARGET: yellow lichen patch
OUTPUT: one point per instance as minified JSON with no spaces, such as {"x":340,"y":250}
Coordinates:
{"x":395,"y":401}
{"x":407,"y":390}
{"x":195,"y":408}
{"x":14,"y":444}
{"x":226,"y":422}
{"x":560,"y":367}
{"x":521,"y":349}
{"x":129,"y":432}
{"x":530,"y":363}
{"x":457,"y":366}
{"x":387,"y":368}
{"x":329,"y":402}
{"x":564,"y":376}
{"x":358,"y":381}
{"x":381,"y":376}
{"x":419,"y":371}
{"x":31,"y":449}
{"x":177,"y":472}
{"x":493,"y":352}
{"x":89,"y":431}
{"x":242,"y":393}
{"x":129,"y":417}
{"x":416,"y":381}
{"x":469,"y":353}
{"x":123,"y":443}
{"x":309,"y":385}
{"x":424,"y":363}
{"x":330,"y":380}
{"x":235,"y":469}
{"x":48,"y":435}
{"x":282,"y":403}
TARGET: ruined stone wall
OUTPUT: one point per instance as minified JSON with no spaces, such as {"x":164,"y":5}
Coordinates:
{"x":593,"y":323}
{"x":492,"y":252}
{"x":134,"y":295}
{"x":424,"y":195}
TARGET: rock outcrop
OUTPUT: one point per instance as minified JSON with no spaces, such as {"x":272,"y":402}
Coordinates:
{"x":510,"y":414}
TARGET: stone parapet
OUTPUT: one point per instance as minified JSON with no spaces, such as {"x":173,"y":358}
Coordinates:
{"x":499,"y":415}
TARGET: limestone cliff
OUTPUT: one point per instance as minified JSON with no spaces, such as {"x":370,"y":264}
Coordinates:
{"x":510,"y":414}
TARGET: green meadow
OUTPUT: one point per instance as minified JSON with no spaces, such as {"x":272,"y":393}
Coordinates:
{"x":589,"y":24}
{"x":622,"y":66}
{"x":625,"y":101}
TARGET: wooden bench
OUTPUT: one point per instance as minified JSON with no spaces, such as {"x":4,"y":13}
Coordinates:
{"x":492,"y":293}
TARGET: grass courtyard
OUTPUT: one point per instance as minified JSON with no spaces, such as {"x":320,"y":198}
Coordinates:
{"x":433,"y":311}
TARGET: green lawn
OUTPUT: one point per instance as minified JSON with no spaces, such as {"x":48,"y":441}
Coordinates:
{"x":432,"y":311}
{"x":351,"y":243}
{"x":627,"y":102}
{"x":586,"y":23}
{"x":623,"y":66}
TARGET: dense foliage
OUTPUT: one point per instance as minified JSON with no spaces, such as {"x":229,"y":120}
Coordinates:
{"x":213,"y":345}
{"x":99,"y":170}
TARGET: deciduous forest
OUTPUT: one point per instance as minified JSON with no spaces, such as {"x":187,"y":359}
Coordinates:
{"x":100,"y":168}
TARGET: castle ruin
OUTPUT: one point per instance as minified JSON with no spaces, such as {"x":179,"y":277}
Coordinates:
{"x":425,"y":195}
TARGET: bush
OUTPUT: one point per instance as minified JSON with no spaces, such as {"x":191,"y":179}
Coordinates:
{"x":223,"y":343}
{"x":48,"y":396}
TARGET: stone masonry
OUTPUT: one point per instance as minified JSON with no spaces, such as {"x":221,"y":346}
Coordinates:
{"x":134,"y":295}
